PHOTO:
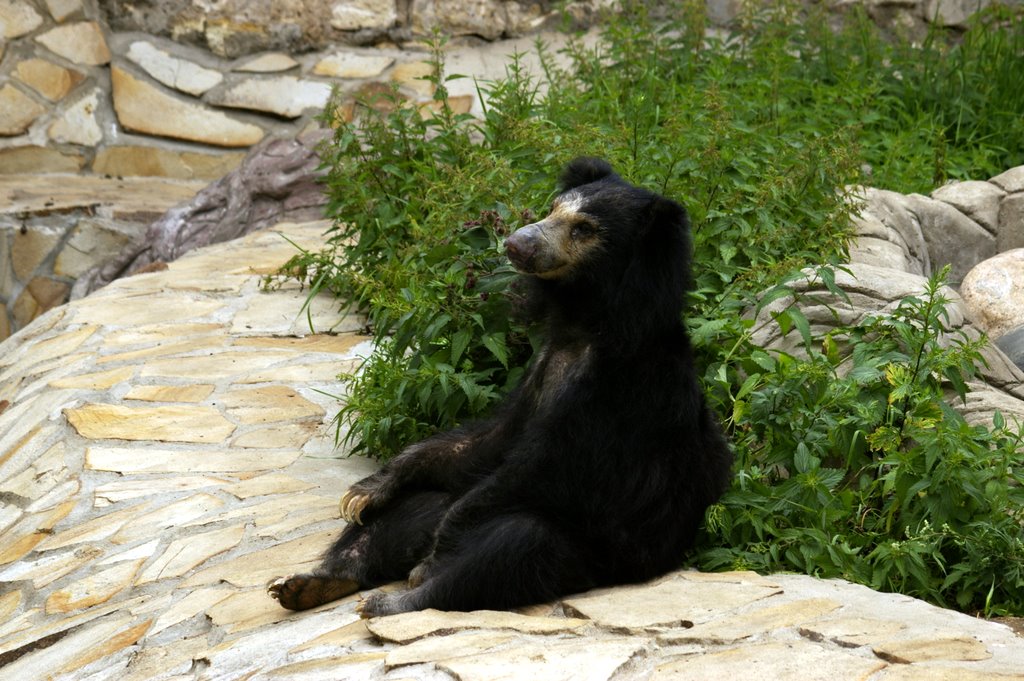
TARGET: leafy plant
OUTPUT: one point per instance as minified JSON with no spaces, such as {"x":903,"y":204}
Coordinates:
{"x":853,"y":464}
{"x":850,"y":461}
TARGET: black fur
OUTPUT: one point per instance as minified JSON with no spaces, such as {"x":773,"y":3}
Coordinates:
{"x":597,"y":470}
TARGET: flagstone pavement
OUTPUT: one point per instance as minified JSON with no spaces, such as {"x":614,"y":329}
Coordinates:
{"x":166,"y":449}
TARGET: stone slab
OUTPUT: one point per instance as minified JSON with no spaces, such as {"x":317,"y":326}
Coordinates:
{"x":144,"y":108}
{"x":412,"y":626}
{"x":676,"y":602}
{"x":163,"y":424}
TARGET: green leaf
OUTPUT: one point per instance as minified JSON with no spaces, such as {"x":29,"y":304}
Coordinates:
{"x":495,"y":342}
{"x":460,"y":341}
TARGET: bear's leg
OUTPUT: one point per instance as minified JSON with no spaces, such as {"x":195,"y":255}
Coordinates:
{"x":508,"y":561}
{"x":384,"y":550}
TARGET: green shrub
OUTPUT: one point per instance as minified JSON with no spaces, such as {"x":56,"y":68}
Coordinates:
{"x":852,"y":464}
{"x":863,"y":473}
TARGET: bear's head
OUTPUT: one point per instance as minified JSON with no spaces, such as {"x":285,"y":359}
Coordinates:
{"x":607,"y":245}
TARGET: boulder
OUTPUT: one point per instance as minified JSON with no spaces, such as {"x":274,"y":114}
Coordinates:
{"x":953,"y":238}
{"x":994,"y":293}
{"x":888,"y":233}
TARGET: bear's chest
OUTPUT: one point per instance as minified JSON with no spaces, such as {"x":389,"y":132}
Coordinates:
{"x":561,"y":370}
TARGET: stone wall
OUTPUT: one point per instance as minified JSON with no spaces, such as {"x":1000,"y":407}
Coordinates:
{"x":177,"y":88}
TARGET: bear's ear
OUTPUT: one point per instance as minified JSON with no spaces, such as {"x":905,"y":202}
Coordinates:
{"x":665,"y":213}
{"x":584,"y":170}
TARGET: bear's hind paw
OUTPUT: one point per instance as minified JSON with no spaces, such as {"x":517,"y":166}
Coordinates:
{"x":302,"y":592}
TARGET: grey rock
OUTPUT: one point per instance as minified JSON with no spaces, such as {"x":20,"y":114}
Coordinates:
{"x":886,"y":216}
{"x":1011,"y":181}
{"x":1011,"y":223}
{"x":952,"y":237}
{"x":977,"y":200}
{"x":1012,"y":344}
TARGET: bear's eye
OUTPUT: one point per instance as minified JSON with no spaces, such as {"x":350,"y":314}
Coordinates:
{"x":582,"y":229}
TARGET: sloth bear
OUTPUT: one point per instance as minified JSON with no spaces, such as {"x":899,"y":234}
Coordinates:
{"x":595,"y":471}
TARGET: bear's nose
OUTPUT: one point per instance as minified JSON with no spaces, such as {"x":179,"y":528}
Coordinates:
{"x":522,"y":245}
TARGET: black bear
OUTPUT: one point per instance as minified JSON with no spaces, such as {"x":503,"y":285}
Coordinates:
{"x":595,"y":471}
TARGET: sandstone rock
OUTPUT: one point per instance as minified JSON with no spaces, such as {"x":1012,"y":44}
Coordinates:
{"x":164,"y":424}
{"x":126,"y":461}
{"x":413,"y":626}
{"x":127,"y":160}
{"x":93,"y":589}
{"x":36,"y":160}
{"x":46,"y":294}
{"x":61,"y":10}
{"x":953,"y":12}
{"x":352,"y":65}
{"x":48,"y":79}
{"x":169,"y":393}
{"x":81,"y":43}
{"x":353,"y":15}
{"x":186,"y":553}
{"x":98,"y":637}
{"x":785,"y":662}
{"x":977,"y":200}
{"x":277,"y":181}
{"x":100,"y":380}
{"x":173,"y":72}
{"x":285,"y":96}
{"x":565,"y":659}
{"x":754,"y":623}
{"x":952,"y":237}
{"x":17,"y":111}
{"x":91,"y":240}
{"x":229,"y":37}
{"x":271,"y":483}
{"x":268,"y":405}
{"x":524,"y":18}
{"x":851,"y":632}
{"x":1011,"y":223}
{"x":30,"y":249}
{"x":17,"y":18}
{"x":938,"y":648}
{"x":143,"y":108}
{"x":78,"y":124}
{"x":994,"y":293}
{"x":1011,"y":181}
{"x":485,"y":18}
{"x":268,"y":63}
{"x":671,"y":602}
{"x":413,"y":75}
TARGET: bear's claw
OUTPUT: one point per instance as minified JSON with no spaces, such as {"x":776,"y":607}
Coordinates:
{"x":352,"y":505}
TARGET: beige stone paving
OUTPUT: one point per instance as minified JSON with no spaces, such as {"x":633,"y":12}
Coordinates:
{"x":165,"y":450}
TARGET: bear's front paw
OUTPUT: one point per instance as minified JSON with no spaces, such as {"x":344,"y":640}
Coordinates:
{"x":381,"y":605}
{"x":302,"y":592}
{"x":352,"y":505}
{"x":374,"y":490}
